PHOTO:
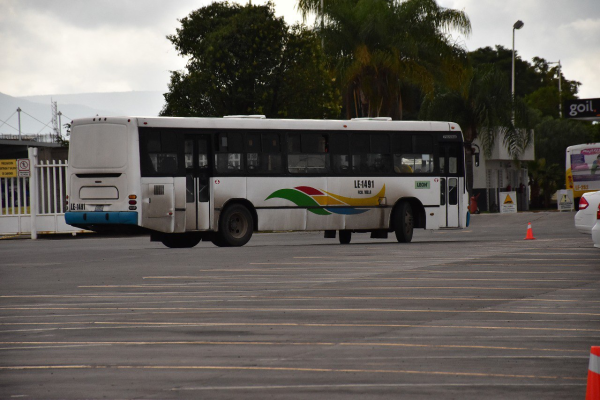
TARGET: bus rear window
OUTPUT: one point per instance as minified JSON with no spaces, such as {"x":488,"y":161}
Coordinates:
{"x":97,"y":146}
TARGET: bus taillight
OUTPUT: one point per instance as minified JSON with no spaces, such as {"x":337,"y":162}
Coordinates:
{"x":598,"y":212}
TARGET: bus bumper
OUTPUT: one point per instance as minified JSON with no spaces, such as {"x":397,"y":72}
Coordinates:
{"x":102,"y":218}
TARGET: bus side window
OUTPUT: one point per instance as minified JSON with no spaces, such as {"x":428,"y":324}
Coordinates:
{"x":203,"y":154}
{"x":402,"y":147}
{"x":160,"y":153}
{"x":313,"y":157}
{"x":379,"y":159}
{"x":340,"y":153}
{"x":252,"y":150}
{"x":423,"y":148}
{"x":413,"y":154}
{"x":228,"y":158}
{"x":360,"y":147}
{"x":271,"y":153}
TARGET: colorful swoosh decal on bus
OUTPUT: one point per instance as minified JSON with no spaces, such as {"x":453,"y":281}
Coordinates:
{"x":321,"y":202}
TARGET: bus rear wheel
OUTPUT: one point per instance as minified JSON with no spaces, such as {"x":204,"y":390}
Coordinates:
{"x":345,"y":237}
{"x":404,"y":223}
{"x":235,"y":226}
{"x":180,"y":240}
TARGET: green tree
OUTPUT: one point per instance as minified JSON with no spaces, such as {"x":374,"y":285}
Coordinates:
{"x":535,"y":82}
{"x":545,"y":178}
{"x":380,"y":48}
{"x":553,"y":136}
{"x":482,"y":105}
{"x":244,"y":60}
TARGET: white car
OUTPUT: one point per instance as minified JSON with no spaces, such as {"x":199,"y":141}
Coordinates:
{"x":585,"y":218}
{"x":596,"y":229}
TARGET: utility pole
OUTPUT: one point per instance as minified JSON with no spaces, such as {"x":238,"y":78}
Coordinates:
{"x":60,"y":124}
{"x":54,"y":107}
{"x":19,"y":115}
{"x":559,"y":87}
{"x":517,"y":25}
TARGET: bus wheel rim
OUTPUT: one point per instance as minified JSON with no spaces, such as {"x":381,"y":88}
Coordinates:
{"x":237,"y":225}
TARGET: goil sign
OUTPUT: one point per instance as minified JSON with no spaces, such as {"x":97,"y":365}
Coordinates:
{"x":583,"y":109}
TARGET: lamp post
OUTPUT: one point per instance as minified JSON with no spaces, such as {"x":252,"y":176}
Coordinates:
{"x":59,"y":125}
{"x":559,"y":88}
{"x":19,"y":115}
{"x":517,"y":25}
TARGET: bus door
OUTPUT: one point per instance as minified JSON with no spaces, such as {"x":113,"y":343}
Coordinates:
{"x":198,"y":169}
{"x":450,"y":162}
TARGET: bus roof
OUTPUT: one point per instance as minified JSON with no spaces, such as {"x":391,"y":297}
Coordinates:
{"x":582,"y":146}
{"x":244,"y":122}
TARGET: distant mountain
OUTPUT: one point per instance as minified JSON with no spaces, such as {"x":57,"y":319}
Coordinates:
{"x":139,"y":104}
{"x":37,"y":113}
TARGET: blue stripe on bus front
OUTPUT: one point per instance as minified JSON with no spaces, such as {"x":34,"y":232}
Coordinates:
{"x":101,"y":217}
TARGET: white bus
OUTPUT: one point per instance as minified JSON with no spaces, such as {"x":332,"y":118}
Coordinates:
{"x":184,"y":180}
{"x":582,"y":173}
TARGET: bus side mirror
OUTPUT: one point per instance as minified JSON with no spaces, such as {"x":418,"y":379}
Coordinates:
{"x":477,"y":159}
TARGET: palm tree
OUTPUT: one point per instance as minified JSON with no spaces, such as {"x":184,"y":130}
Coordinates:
{"x":481,"y":103}
{"x":379,"y":47}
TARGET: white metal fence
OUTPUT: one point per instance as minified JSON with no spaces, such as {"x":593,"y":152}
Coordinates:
{"x":35,"y":204}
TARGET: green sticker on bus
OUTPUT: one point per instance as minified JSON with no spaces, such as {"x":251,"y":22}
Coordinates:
{"x":422,"y":185}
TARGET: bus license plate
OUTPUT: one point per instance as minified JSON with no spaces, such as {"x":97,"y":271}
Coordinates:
{"x":99,"y":208}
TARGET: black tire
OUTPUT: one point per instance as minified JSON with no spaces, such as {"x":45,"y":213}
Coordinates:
{"x":404,"y":223}
{"x":180,"y":240}
{"x":218,"y":241}
{"x":345,"y":237}
{"x":235,"y":226}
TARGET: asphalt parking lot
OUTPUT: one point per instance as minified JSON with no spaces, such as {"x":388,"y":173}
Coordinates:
{"x":457,"y":314}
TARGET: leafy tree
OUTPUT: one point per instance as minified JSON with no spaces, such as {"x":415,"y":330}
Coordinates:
{"x":482,"y":105}
{"x":547,"y":98}
{"x":244,"y":60}
{"x":537,"y":83}
{"x":64,"y":141}
{"x":381,"y":48}
{"x":545,"y":179}
{"x":553,"y":136}
{"x":526,"y":79}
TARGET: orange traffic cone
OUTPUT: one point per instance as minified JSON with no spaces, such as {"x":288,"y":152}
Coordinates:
{"x":529,"y":233}
{"x":593,"y":381}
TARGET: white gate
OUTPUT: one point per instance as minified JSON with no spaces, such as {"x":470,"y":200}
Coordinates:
{"x":44,"y":192}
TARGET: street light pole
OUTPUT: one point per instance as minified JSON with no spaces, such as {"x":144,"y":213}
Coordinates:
{"x":59,"y":125}
{"x":559,"y":88}
{"x":517,"y":25}
{"x":322,"y":25}
{"x":19,"y":115}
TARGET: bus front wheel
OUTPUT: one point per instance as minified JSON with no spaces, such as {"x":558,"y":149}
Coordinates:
{"x":404,"y":223}
{"x":345,"y":237}
{"x":235,"y":226}
{"x":180,"y":240}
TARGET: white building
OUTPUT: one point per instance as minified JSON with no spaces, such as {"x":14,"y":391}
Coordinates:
{"x":500,"y":172}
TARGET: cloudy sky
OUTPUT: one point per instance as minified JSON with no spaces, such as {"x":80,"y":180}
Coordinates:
{"x":82,"y":46}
